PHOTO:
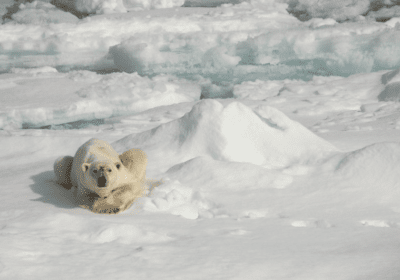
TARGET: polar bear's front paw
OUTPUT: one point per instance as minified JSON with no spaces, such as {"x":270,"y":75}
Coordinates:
{"x":102,"y":206}
{"x":109,"y":211}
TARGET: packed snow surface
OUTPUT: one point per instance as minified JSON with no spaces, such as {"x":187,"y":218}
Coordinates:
{"x":271,"y":127}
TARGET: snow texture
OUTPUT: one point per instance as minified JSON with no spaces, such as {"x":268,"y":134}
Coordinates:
{"x":271,"y":127}
{"x":95,"y":97}
{"x":39,"y":12}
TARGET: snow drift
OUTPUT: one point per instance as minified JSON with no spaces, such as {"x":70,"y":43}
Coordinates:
{"x":343,"y":10}
{"x":39,"y":12}
{"x":84,"y":96}
{"x":233,"y":132}
{"x":391,"y":92}
{"x":364,"y":178}
{"x":91,"y":6}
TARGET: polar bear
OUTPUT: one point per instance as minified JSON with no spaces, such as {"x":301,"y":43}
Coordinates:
{"x":135,"y":160}
{"x":103,"y":181}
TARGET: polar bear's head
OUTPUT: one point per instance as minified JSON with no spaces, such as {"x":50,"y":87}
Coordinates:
{"x":101,"y":176}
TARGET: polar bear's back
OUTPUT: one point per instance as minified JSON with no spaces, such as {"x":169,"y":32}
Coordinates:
{"x":90,"y":151}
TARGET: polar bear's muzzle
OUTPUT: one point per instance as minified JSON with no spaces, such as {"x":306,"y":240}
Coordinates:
{"x":100,"y":176}
{"x":101,"y":181}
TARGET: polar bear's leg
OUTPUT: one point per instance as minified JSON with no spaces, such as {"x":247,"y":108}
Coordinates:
{"x":62,"y":170}
{"x":119,"y":200}
{"x":135,"y":160}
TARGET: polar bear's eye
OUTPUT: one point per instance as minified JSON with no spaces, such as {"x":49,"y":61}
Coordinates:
{"x":109,"y":170}
{"x":118,"y":165}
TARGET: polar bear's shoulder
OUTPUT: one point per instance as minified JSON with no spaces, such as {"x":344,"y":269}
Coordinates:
{"x":135,"y":160}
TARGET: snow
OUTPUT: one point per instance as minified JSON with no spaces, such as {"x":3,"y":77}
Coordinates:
{"x":271,"y":129}
{"x":41,"y":13}
{"x":91,"y":6}
{"x":237,"y":43}
{"x":86,"y":96}
{"x":138,"y":5}
{"x":234,"y":133}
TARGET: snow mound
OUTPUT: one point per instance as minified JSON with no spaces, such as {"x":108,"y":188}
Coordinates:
{"x":34,"y":71}
{"x":391,"y":77}
{"x":391,"y":92}
{"x":176,"y":199}
{"x":39,"y":12}
{"x":92,"y":6}
{"x":138,"y":5}
{"x":373,"y":171}
{"x":393,"y":22}
{"x":385,"y":13}
{"x":210,"y":3}
{"x":233,"y":132}
{"x":342,"y":10}
{"x":379,"y":158}
{"x":155,"y":53}
{"x":318,"y":22}
{"x":339,"y":10}
{"x":117,"y":6}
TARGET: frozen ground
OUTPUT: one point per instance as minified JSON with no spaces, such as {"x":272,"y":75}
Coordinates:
{"x":275,"y":140}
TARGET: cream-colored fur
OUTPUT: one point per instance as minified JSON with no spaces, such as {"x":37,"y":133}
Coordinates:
{"x":102,"y":182}
{"x":135,"y":161}
{"x":62,"y":169}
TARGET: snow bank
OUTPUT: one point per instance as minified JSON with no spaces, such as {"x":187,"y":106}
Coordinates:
{"x":91,"y":6}
{"x":233,"y":132}
{"x":391,"y":80}
{"x":342,"y":51}
{"x":146,"y":55}
{"x":138,"y":5}
{"x":343,"y":9}
{"x":371,"y":173}
{"x":116,"y":6}
{"x":86,"y":44}
{"x":385,"y":13}
{"x":229,"y":43}
{"x":339,"y":10}
{"x":82,"y":95}
{"x":379,"y":158}
{"x":210,"y":3}
{"x":39,"y":12}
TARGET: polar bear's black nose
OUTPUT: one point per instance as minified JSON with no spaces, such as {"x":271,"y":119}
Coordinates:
{"x":102,"y":181}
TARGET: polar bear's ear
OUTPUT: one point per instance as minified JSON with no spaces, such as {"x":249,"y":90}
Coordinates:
{"x":85,"y":167}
